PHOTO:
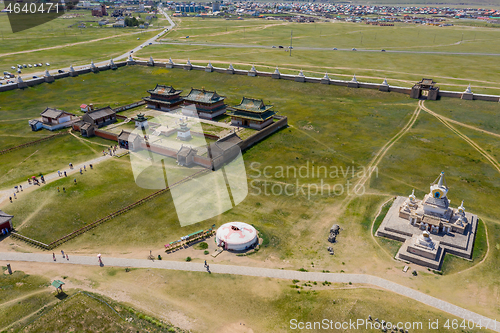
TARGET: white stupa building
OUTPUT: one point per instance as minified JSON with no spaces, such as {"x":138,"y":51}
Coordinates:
{"x":430,"y":227}
{"x":183,"y":132}
{"x":236,"y":236}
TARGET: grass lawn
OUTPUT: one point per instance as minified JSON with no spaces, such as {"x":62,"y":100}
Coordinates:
{"x":91,"y":313}
{"x":46,"y":157}
{"x":451,"y":71}
{"x":330,"y":126}
{"x":46,"y":214}
{"x":80,"y":54}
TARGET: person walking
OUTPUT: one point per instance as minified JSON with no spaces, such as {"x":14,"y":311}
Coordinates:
{"x":62,"y":252}
{"x":59,"y":173}
{"x":21,"y":187}
{"x":75,"y":181}
{"x":84,"y":167}
{"x":29,"y":181}
{"x":10,"y":198}
{"x":205,"y":263}
{"x":91,"y":167}
{"x":54,"y":256}
{"x":67,"y":257}
{"x":81,"y":173}
{"x":58,"y":189}
{"x":15,"y":195}
{"x":64,"y":189}
{"x":65,"y":175}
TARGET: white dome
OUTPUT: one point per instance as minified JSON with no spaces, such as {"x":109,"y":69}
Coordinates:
{"x":236,"y":236}
{"x":425,"y":240}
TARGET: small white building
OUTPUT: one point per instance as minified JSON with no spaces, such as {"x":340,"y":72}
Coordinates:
{"x":141,"y":121}
{"x":236,"y":236}
{"x":84,"y":108}
{"x":53,"y":119}
{"x":184,"y":133}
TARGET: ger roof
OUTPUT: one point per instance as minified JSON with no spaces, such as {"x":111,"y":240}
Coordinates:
{"x":52,"y":113}
{"x":161,"y":89}
{"x":97,"y":114}
{"x":204,"y":96}
{"x":252,"y":105}
{"x":4,"y":217}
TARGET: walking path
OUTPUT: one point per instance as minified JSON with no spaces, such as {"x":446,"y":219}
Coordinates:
{"x":5,"y":194}
{"x":261,"y":272}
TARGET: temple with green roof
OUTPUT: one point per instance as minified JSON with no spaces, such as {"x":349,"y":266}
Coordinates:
{"x":251,"y":113}
{"x":208,"y":104}
{"x":164,"y":98}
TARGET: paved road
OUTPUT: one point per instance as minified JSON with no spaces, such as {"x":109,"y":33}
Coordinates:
{"x":187,"y":42}
{"x":105,"y":62}
{"x":259,"y":272}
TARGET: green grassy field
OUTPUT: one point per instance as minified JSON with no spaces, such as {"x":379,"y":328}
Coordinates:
{"x":270,"y":304}
{"x":45,"y":157}
{"x":37,"y":211}
{"x":451,"y":71}
{"x":329,"y":126}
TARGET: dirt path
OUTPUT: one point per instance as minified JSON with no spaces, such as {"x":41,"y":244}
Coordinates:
{"x":373,"y":226}
{"x":459,"y":123}
{"x":27,"y":158}
{"x":85,"y":140}
{"x":474,"y":145}
{"x":20,"y":298}
{"x":70,"y":44}
{"x":381,"y":153}
{"x":4,"y":329}
{"x":259,"y":272}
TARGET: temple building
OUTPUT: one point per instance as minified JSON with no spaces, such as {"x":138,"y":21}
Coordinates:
{"x":413,"y":221}
{"x":433,"y":213}
{"x":95,"y":119}
{"x":164,"y":98}
{"x":208,"y":104}
{"x":251,"y":113}
{"x":53,"y":119}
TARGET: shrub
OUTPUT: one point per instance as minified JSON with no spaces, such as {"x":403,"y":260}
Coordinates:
{"x":188,"y":259}
{"x":171,"y":329}
{"x":206,"y":252}
{"x":295,"y":281}
{"x":203,"y":246}
{"x":302,"y":269}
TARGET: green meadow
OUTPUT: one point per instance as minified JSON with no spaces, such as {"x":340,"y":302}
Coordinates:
{"x":329,"y":126}
{"x":251,"y":42}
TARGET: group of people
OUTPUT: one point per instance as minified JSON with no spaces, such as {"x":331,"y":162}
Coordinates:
{"x":111,"y":150}
{"x":63,"y":255}
{"x":207,"y":267}
{"x":33,"y":180}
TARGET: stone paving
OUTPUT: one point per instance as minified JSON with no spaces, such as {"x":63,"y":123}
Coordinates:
{"x":259,"y":272}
